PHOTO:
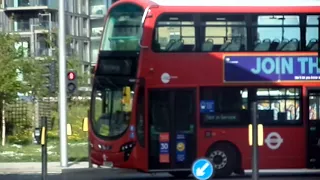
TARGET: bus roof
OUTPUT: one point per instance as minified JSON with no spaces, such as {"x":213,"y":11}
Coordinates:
{"x":247,"y":3}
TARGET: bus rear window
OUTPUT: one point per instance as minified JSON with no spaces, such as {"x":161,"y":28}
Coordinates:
{"x":122,"y":30}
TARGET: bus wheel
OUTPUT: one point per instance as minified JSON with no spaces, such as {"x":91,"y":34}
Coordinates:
{"x":183,"y":174}
{"x":224,"y":157}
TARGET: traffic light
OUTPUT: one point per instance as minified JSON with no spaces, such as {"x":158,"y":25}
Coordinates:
{"x":72,"y":84}
{"x":50,"y":77}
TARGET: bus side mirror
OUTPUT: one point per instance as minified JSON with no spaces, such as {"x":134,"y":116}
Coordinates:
{"x":85,"y":124}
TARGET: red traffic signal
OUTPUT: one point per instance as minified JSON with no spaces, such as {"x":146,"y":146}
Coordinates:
{"x":71,"y":76}
{"x":72,"y":84}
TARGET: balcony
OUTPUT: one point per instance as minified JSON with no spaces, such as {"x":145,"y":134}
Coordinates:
{"x":45,"y":25}
{"x":25,"y":26}
{"x":30,"y":4}
{"x":20,"y":26}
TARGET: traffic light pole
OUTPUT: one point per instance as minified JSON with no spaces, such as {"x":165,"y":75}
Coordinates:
{"x":62,"y":86}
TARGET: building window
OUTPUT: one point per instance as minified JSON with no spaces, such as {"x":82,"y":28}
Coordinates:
{"x":76,"y":19}
{"x":94,"y":51}
{"x":76,"y":45}
{"x":85,"y":27}
{"x":69,"y":28}
{"x":84,"y":7}
{"x":279,"y":106}
{"x":175,"y":33}
{"x":75,"y":6}
{"x":73,"y":25}
{"x":228,"y":106}
{"x":85,"y":52}
{"x":22,"y":24}
{"x":96,"y":27}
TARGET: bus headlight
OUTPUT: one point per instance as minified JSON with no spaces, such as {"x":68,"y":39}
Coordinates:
{"x":127,"y":147}
{"x":103,"y":147}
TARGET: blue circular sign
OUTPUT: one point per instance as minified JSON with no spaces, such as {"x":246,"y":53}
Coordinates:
{"x":202,"y":169}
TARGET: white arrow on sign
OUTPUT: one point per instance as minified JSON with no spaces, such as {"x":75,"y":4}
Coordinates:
{"x":200,"y":171}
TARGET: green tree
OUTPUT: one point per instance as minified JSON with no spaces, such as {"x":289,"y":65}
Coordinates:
{"x":35,"y":67}
{"x":73,"y":62}
{"x":14,"y":66}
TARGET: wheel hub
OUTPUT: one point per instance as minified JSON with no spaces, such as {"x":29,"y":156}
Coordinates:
{"x":219,"y":159}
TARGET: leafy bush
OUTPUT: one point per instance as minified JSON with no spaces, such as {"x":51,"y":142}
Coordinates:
{"x":76,"y":112}
{"x":23,"y":137}
{"x":22,"y":134}
{"x":53,"y":135}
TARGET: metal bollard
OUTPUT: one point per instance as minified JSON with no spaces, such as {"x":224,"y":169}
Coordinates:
{"x":255,"y":146}
{"x":44,"y":155}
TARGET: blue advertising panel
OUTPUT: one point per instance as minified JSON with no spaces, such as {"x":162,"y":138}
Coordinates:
{"x":270,"y":68}
{"x":181,"y":148}
{"x":206,"y":106}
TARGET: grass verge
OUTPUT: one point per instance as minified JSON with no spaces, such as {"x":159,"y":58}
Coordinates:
{"x":32,"y":153}
{"x":19,"y":149}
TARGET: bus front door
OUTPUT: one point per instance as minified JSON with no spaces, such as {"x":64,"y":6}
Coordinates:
{"x":314,"y":128}
{"x":172,"y":129}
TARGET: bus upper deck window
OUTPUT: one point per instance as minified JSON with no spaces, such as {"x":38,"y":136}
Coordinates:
{"x":123,"y":28}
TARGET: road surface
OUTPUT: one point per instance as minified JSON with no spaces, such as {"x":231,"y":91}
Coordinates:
{"x":135,"y":176}
{"x":79,"y":171}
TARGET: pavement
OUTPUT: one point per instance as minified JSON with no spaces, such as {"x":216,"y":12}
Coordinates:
{"x":35,"y":167}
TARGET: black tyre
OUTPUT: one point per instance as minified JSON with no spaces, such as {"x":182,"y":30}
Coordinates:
{"x":224,"y":159}
{"x":182,"y":175}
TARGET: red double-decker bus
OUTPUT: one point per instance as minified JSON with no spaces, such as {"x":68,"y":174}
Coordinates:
{"x":175,"y":81}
